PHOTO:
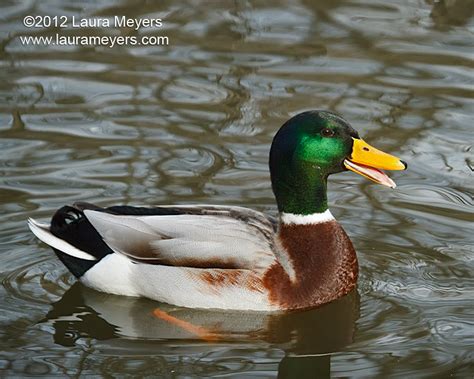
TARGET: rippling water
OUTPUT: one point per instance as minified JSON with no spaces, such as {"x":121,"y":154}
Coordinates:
{"x":192,"y":123}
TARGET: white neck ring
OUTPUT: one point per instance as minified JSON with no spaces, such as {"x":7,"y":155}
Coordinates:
{"x":314,"y":218}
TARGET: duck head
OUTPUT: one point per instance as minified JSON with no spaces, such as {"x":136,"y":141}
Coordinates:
{"x":313,"y":145}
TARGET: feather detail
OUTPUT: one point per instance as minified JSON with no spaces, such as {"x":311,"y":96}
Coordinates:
{"x":188,"y":240}
{"x":42,"y":232}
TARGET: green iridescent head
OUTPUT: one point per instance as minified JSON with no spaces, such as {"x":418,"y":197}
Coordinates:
{"x":313,"y":145}
{"x":307,"y":148}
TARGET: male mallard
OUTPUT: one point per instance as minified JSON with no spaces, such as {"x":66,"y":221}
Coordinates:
{"x":228,"y":257}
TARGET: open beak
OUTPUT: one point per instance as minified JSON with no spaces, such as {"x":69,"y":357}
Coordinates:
{"x":368,"y":161}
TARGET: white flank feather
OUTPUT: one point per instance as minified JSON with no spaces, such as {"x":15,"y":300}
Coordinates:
{"x":42,"y":232}
{"x":180,"y":286}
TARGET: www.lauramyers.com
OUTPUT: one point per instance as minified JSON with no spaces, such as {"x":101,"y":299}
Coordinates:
{"x":72,"y":22}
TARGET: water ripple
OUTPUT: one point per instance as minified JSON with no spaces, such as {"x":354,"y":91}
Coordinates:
{"x":192,"y":123}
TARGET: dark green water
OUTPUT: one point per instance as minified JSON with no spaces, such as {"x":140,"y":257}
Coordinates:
{"x":192,"y":122}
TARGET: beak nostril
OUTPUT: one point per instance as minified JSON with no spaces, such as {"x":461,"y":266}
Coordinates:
{"x":366,"y":148}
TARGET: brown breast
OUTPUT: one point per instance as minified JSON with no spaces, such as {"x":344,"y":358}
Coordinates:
{"x":324,"y":262}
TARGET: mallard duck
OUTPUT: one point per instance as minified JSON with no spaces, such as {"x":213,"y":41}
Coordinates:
{"x":230,"y":257}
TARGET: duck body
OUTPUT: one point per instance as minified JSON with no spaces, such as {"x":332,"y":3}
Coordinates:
{"x":227,"y":257}
{"x":204,"y":256}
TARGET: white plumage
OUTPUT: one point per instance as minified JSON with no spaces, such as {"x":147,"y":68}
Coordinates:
{"x":42,"y":232}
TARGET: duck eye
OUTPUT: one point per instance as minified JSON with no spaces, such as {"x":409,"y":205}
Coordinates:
{"x":326,"y":132}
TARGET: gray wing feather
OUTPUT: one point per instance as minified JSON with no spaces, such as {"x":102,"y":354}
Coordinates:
{"x":211,"y":237}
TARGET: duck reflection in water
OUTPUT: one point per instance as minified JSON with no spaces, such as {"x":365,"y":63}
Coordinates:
{"x":307,"y":337}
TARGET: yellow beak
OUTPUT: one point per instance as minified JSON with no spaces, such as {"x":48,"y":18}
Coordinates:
{"x":367,"y":161}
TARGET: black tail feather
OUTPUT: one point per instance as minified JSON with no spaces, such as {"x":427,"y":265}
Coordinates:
{"x":70,"y":224}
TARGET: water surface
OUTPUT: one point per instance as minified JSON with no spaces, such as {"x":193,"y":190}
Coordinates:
{"x":192,"y":123}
